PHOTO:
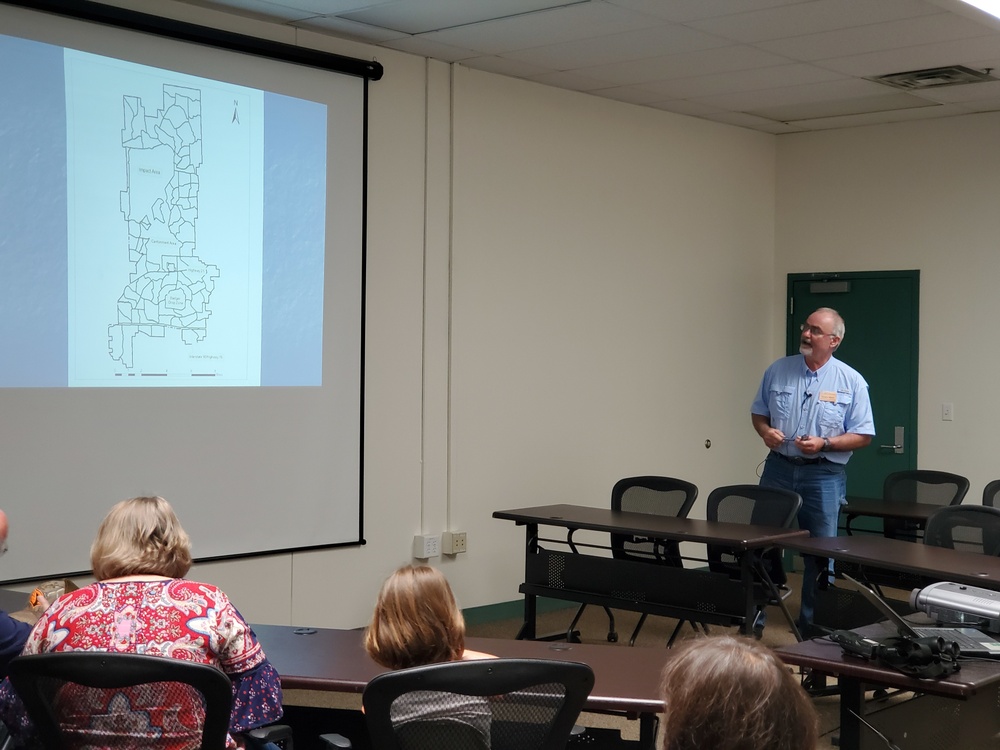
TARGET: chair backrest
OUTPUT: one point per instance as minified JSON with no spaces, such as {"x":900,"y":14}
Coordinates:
{"x":920,"y":486}
{"x":925,"y":486}
{"x":750,"y":504}
{"x":753,"y":504}
{"x":968,"y":528}
{"x":83,"y":699}
{"x":990,"y":493}
{"x":485,"y":704}
{"x":660,"y":496}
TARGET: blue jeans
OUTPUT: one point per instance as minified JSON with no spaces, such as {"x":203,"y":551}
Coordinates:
{"x":823,"y":487}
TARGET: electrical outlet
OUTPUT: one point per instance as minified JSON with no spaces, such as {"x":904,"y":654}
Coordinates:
{"x":453,"y":542}
{"x":947,"y":412}
{"x":426,"y":545}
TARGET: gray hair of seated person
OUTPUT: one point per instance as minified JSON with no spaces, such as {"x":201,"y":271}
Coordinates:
{"x":141,"y":536}
{"x":732,"y":693}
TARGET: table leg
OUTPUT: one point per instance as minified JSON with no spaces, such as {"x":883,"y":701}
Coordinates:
{"x":647,"y":730}
{"x":746,"y":576}
{"x":528,"y":627}
{"x":852,"y":706}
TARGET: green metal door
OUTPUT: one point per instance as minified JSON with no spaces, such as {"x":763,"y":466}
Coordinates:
{"x":881,"y":312}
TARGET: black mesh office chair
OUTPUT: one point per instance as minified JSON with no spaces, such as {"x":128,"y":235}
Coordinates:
{"x":487,"y":704}
{"x":763,"y":506}
{"x":920,"y":486}
{"x":967,"y":528}
{"x":658,"y":496}
{"x":96,"y":699}
{"x":990,"y":493}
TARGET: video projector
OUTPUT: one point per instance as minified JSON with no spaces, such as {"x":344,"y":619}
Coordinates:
{"x":957,"y":604}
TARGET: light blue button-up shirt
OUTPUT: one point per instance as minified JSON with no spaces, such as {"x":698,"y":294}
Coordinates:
{"x":829,"y":402}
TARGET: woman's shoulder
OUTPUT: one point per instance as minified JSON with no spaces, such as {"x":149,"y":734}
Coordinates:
{"x":197,"y":588}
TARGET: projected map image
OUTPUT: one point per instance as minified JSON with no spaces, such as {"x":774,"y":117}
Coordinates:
{"x":165,"y":172}
{"x":170,"y":288}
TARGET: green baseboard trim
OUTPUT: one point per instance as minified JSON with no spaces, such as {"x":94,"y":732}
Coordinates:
{"x":511,"y":610}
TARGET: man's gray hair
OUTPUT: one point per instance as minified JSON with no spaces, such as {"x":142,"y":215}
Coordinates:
{"x":839,"y":330}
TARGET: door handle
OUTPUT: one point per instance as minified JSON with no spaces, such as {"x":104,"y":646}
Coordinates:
{"x":897,"y":447}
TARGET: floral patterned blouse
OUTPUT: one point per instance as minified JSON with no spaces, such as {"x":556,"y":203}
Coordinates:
{"x":174,"y":618}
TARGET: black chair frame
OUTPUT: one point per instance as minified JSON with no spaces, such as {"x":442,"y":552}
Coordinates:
{"x":637,"y":549}
{"x":483,"y":678}
{"x":99,"y":669}
{"x":983,"y":521}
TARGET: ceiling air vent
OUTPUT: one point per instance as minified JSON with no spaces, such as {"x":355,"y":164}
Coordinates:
{"x":951,"y":75}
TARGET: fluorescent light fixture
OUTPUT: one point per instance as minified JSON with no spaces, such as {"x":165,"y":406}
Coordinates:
{"x":989,"y":6}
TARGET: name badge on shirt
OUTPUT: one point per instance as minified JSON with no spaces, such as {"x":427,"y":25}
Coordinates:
{"x":828,"y":396}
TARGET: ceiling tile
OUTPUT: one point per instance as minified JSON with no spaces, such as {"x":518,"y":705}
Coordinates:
{"x":879,"y":118}
{"x":686,"y":65}
{"x":809,"y":18}
{"x":418,"y":45}
{"x":422,"y":16}
{"x":745,"y":101}
{"x":916,"y":58}
{"x":582,"y":21}
{"x":350,"y":29}
{"x":718,"y":59}
{"x":837,"y":108}
{"x":680,"y":11}
{"x":652,"y":41}
{"x":750,"y":121}
{"x":754,"y":79}
{"x":503,"y":66}
{"x":874,"y":37}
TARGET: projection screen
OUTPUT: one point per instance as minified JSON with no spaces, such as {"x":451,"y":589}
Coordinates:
{"x":181,"y":289}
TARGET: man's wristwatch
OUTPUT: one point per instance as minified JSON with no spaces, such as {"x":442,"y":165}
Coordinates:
{"x":826,"y":444}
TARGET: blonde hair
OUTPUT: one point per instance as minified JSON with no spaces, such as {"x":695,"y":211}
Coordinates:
{"x":416,"y":620}
{"x":731,"y":693}
{"x":141,"y":536}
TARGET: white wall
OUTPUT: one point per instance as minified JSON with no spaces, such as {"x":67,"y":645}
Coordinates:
{"x":562,"y":291}
{"x":918,"y":195}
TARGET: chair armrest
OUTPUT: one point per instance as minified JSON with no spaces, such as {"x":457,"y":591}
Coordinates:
{"x":280,"y":734}
{"x":336,"y":742}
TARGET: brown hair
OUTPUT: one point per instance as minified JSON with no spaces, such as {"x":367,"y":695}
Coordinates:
{"x":416,"y":620}
{"x":732,"y":693}
{"x":140,"y":536}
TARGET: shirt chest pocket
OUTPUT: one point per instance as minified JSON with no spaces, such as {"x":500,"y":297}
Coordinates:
{"x":834,"y":413}
{"x":781,"y":402}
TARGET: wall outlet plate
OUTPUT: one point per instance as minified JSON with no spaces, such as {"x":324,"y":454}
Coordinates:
{"x":453,"y":542}
{"x":426,"y":545}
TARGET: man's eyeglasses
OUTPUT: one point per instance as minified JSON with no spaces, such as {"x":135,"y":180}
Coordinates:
{"x":814,"y":330}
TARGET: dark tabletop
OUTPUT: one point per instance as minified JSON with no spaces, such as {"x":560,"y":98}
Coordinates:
{"x":627,"y":680}
{"x":733,"y":535}
{"x":939,"y":563}
{"x":878,"y":508}
{"x":829,"y":658}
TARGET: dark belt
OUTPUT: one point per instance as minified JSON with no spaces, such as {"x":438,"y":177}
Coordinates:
{"x":799,"y":460}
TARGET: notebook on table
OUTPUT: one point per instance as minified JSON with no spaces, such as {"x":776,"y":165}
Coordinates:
{"x":970,"y":641}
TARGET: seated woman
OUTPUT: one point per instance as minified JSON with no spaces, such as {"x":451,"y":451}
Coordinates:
{"x":142,"y":604}
{"x":733,"y":693}
{"x":418,"y":622}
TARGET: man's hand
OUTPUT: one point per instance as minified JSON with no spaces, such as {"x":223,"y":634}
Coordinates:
{"x":809,"y":445}
{"x":772,"y":436}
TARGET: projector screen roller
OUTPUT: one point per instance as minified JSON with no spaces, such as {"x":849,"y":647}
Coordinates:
{"x":181,"y":291}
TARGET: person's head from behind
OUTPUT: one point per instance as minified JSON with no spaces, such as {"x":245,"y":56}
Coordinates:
{"x":141,"y":536}
{"x":416,"y":620}
{"x":732,"y":693}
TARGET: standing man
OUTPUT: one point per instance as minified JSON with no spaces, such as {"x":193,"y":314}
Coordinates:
{"x":813,"y":411}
